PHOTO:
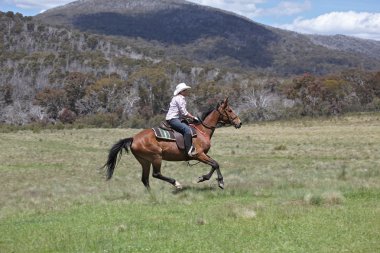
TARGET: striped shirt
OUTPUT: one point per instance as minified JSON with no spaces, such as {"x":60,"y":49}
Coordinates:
{"x":177,"y":108}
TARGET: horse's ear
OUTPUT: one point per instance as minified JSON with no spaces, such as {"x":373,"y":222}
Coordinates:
{"x":225,"y":102}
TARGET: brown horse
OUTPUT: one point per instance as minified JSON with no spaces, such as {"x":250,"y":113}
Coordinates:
{"x":149,"y":150}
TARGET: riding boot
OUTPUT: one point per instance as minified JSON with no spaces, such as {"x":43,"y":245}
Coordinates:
{"x":189,"y":148}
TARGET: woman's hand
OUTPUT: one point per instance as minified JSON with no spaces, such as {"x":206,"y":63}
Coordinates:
{"x":196,"y":120}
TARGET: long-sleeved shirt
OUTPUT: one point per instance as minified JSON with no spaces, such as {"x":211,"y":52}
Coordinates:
{"x":177,"y":108}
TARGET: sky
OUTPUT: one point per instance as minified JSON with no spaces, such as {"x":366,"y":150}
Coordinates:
{"x":358,"y":18}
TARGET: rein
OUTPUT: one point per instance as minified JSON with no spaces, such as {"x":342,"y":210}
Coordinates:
{"x":191,"y":165}
{"x":208,"y":127}
{"x":203,"y":133}
{"x":220,"y":122}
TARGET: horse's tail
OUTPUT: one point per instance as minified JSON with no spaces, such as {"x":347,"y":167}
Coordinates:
{"x":115,"y":152}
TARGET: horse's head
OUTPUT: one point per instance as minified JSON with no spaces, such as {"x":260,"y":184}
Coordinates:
{"x":227,"y":115}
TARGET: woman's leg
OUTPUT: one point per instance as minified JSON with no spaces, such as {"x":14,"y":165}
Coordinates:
{"x":185,"y":130}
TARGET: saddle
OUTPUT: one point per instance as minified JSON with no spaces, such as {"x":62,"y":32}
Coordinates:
{"x":165,"y":132}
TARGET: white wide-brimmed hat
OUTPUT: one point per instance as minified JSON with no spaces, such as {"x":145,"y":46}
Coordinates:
{"x":181,"y":87}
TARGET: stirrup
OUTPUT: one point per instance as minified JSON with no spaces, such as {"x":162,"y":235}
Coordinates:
{"x":192,"y":152}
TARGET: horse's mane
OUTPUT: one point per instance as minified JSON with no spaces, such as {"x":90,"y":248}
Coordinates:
{"x":205,"y":114}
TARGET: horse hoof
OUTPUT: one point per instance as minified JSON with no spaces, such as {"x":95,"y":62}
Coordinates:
{"x":177,"y":185}
{"x":221,"y":185}
{"x":200,"y":179}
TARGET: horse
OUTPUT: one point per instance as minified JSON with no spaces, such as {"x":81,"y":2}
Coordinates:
{"x":150,"y":151}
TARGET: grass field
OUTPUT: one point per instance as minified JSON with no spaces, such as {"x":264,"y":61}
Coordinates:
{"x":292,"y":186}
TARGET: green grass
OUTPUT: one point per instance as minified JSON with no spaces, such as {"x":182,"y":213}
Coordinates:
{"x":218,"y":223}
{"x":302,"y":186}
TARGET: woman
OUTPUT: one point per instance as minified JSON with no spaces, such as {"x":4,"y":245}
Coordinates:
{"x":177,"y":110}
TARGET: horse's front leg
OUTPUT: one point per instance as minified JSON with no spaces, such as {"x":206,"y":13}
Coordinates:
{"x":214,"y":166}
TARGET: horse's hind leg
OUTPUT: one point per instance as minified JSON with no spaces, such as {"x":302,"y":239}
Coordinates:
{"x":157,"y":174}
{"x":145,"y":164}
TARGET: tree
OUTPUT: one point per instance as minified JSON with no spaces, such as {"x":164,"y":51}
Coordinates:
{"x":52,"y":99}
{"x":6,"y":93}
{"x":66,"y":116}
{"x":361,"y":83}
{"x":153,"y":90}
{"x":75,"y":87}
{"x":207,"y":94}
{"x":310,"y":91}
{"x":108,"y":95}
{"x":259,"y":100}
{"x":375,"y":81}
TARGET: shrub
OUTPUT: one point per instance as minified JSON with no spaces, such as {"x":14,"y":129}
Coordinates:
{"x":67,"y":116}
{"x":155,"y":120}
{"x":333,"y":198}
{"x":280,"y":147}
{"x":104,"y":120}
{"x":135,"y":122}
{"x":327,"y":198}
{"x":313,"y":199}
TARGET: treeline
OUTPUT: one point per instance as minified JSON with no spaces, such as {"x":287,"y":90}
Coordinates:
{"x":142,"y":100}
{"x":55,"y":76}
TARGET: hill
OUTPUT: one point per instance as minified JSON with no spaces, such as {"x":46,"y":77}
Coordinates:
{"x":45,"y":69}
{"x":370,"y":48}
{"x":207,"y":35}
{"x":56,"y":74}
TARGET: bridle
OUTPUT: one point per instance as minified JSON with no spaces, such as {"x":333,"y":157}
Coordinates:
{"x":230,"y":119}
{"x":225,"y":114}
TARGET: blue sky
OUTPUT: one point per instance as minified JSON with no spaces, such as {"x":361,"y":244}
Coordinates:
{"x":360,"y":18}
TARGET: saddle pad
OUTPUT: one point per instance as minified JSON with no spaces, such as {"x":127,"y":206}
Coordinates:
{"x":169,"y":135}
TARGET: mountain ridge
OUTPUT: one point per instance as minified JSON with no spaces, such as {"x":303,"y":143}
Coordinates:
{"x":371,"y":48}
{"x":206,"y":34}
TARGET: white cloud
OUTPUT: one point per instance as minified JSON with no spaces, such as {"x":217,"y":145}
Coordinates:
{"x":285,"y":8}
{"x":44,"y":4}
{"x":249,"y":8}
{"x":246,"y":8}
{"x":359,"y":24}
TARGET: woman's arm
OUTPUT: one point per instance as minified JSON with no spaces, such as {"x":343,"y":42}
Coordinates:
{"x":183,"y":110}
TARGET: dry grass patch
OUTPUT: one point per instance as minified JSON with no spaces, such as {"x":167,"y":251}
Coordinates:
{"x":326,"y":198}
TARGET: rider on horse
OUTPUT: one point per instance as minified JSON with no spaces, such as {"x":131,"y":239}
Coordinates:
{"x":177,"y":110}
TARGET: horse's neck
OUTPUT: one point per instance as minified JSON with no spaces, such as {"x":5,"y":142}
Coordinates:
{"x":210,"y":123}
